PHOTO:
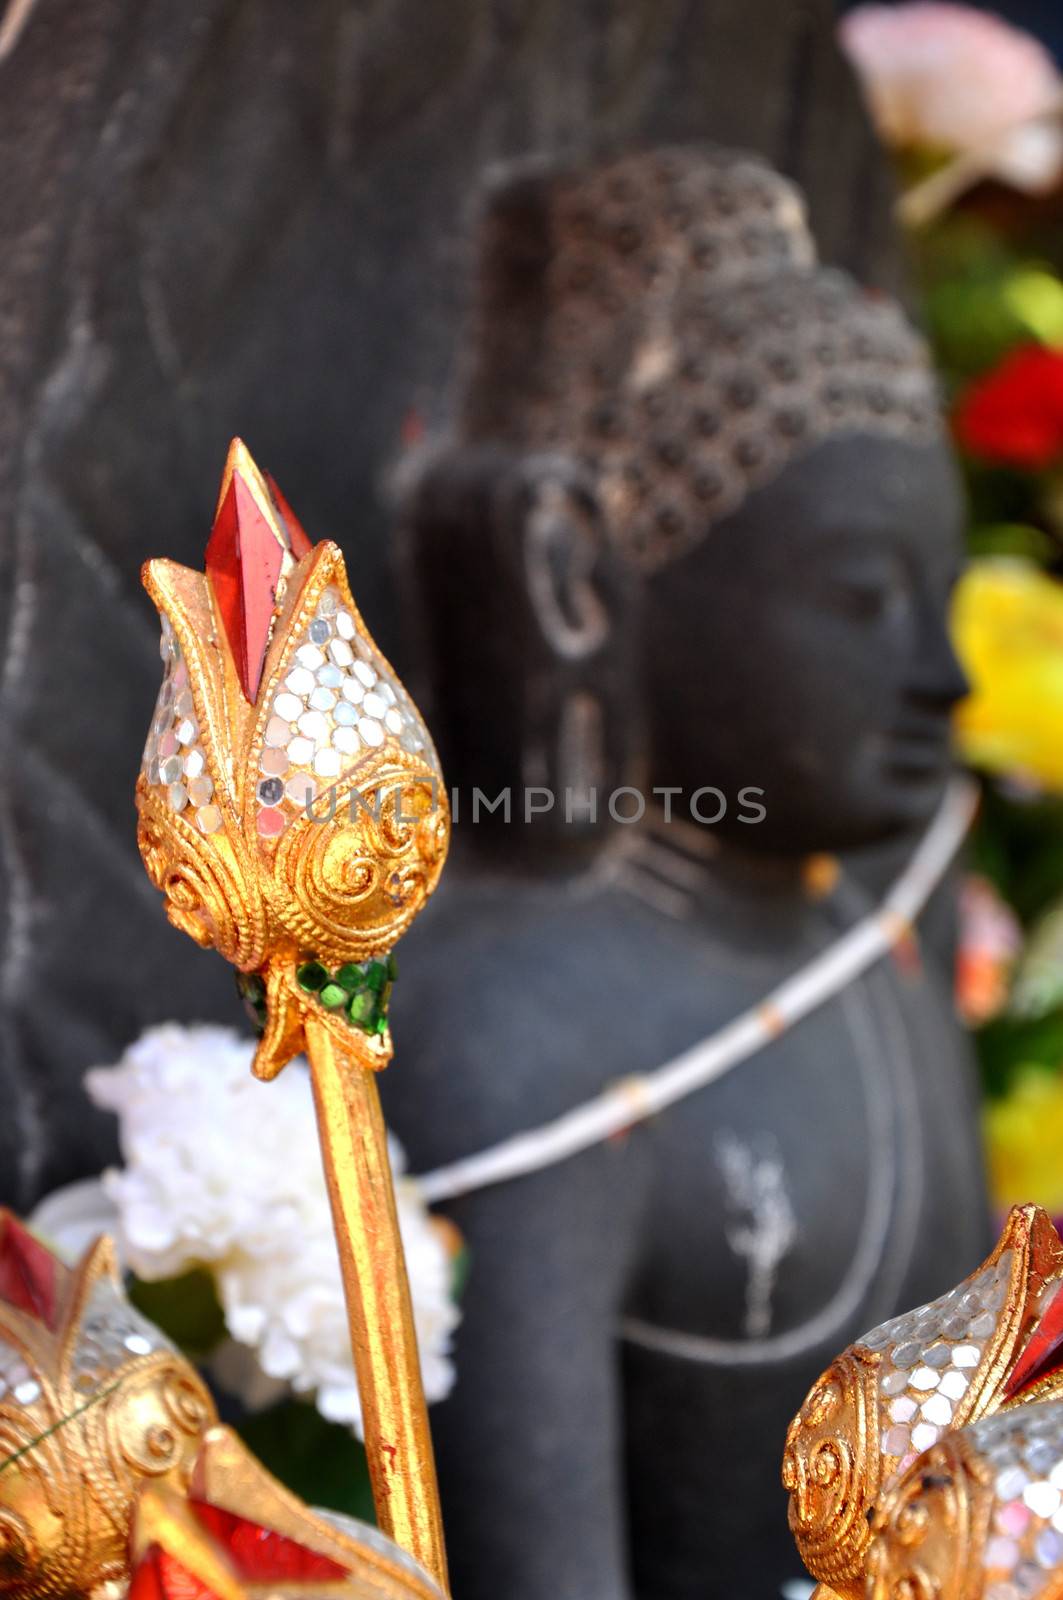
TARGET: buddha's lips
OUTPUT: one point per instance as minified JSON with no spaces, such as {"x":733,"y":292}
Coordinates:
{"x":918,"y":760}
{"x":920,"y":728}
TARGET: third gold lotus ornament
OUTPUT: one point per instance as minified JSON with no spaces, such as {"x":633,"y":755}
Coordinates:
{"x":291,"y":812}
{"x":888,"y":1462}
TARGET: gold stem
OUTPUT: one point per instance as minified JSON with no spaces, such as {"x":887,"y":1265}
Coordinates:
{"x":383,"y":1340}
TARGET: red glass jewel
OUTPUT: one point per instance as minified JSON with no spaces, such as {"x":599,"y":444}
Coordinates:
{"x":160,"y":1576}
{"x":1044,"y":1350}
{"x":28,"y":1272}
{"x":261,"y":1555}
{"x":243,"y":564}
{"x":146,"y":1581}
{"x":297,"y":535}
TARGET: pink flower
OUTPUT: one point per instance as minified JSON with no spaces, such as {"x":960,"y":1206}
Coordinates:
{"x":947,"y":77}
{"x":989,"y":944}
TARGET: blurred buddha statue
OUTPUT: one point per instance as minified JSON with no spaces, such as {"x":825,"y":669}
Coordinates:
{"x":693,"y":539}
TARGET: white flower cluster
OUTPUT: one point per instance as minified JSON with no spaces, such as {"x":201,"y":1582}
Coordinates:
{"x":224,"y":1172}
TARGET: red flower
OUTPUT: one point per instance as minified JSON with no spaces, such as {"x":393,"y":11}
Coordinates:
{"x":1014,"y":414}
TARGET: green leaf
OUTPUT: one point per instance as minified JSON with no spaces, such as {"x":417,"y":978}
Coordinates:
{"x":1012,"y":539}
{"x":187,"y":1308}
{"x":1003,"y":495}
{"x":1037,"y":986}
{"x":1035,"y":295}
{"x":459,"y":1272}
{"x":1008,"y":1047}
{"x":1020,"y":847}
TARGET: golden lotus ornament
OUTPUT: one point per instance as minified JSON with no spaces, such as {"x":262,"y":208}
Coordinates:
{"x":979,"y":1519}
{"x":290,"y":803}
{"x":897,"y":1462}
{"x":93,"y":1402}
{"x":292,"y":813}
{"x":116,"y":1478}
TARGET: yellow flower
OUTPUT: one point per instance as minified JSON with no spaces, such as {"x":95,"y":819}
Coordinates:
{"x":1007,"y":625}
{"x":1024,"y":1132}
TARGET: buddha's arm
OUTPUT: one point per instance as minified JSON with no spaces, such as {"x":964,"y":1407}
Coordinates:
{"x":529,"y":1443}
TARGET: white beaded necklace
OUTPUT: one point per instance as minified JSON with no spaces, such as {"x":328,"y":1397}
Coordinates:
{"x":635,"y":1099}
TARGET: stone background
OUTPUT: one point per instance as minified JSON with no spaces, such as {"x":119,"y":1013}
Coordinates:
{"x":253,"y":216}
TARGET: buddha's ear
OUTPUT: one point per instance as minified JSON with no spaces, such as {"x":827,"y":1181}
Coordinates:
{"x":578,"y":585}
{"x":529,"y":626}
{"x":584,"y":733}
{"x":518,"y":529}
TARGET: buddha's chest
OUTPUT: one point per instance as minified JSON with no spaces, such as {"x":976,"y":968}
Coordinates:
{"x":825,"y":1183}
{"x":820,"y":1185}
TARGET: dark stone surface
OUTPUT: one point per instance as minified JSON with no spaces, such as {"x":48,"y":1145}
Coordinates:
{"x":256,"y":217}
{"x":251,"y":216}
{"x":825,"y":1183}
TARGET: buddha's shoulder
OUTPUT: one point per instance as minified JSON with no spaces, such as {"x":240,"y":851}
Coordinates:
{"x":549,"y":930}
{"x":513,"y":1005}
{"x":572,"y":981}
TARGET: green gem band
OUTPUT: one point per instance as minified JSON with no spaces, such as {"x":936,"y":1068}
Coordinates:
{"x":360,"y":990}
{"x":311,"y":976}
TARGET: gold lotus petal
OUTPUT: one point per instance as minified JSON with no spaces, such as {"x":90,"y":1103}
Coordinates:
{"x":830,"y":1520}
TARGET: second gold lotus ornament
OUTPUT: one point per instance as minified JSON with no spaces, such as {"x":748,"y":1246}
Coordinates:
{"x":291,"y":812}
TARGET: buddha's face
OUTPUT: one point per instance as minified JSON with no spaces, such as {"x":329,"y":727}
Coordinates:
{"x":801,"y":648}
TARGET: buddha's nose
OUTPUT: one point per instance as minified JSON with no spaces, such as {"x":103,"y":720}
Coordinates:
{"x":938,"y":679}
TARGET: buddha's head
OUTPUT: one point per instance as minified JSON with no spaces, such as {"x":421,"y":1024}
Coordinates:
{"x":757,"y":439}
